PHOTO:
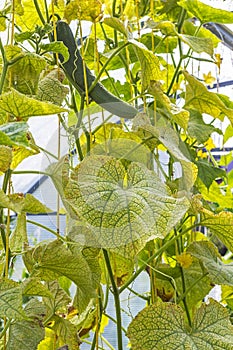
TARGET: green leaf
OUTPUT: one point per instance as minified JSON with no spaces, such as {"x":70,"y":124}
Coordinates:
{"x":52,"y":260}
{"x":171,"y":140}
{"x":207,"y":253}
{"x":190,"y":29}
{"x":15,"y":133}
{"x":206,"y":13}
{"x":66,"y":332}
{"x":219,"y":224}
{"x":121,"y":206}
{"x":11,"y":303}
{"x":198,"y":44}
{"x":163,"y":326}
{"x":18,"y":238}
{"x":25,"y":335}
{"x":116,"y":24}
{"x":33,"y":286}
{"x":57,"y":47}
{"x":216,"y":195}
{"x":198,"y":129}
{"x":150,"y":64}
{"x":199,"y":284}
{"x":21,"y":37}
{"x":204,"y":101}
{"x":23,"y":107}
{"x":58,"y":299}
{"x":208,"y":173}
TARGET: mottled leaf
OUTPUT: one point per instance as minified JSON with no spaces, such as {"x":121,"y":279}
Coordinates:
{"x":5,"y":158}
{"x":66,"y":333}
{"x":25,"y":71}
{"x":33,"y":286}
{"x":163,"y":326}
{"x":220,"y":224}
{"x":198,"y":44}
{"x":52,"y":260}
{"x":25,"y":335}
{"x":171,"y":140}
{"x":58,"y":299}
{"x":11,"y":302}
{"x":119,"y":205}
{"x":207,"y":253}
{"x":23,"y":107}
{"x":18,"y":237}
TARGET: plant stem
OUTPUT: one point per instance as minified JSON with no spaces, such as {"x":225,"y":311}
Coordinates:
{"x":116,"y":295}
{"x":37,"y":6}
{"x":155,"y":255}
{"x":105,"y":65}
{"x":5,"y":67}
{"x":47,"y":229}
{"x":7,"y":325}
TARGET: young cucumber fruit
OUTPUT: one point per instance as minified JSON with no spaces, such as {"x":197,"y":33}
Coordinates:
{"x":74,"y":71}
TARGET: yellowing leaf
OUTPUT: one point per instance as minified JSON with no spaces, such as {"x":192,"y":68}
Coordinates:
{"x":150,"y":64}
{"x":19,"y":10}
{"x":165,"y":324}
{"x":30,"y":18}
{"x":199,"y":98}
{"x":23,"y":107}
{"x":206,"y":13}
{"x":89,"y":10}
{"x":18,"y":238}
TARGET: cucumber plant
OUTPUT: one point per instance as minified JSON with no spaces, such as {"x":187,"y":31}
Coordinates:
{"x":143,"y":195}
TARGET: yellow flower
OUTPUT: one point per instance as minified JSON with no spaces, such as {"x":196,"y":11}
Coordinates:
{"x":218,"y":60}
{"x":201,"y":154}
{"x":209,"y":144}
{"x":185,"y":260}
{"x":208,"y":79}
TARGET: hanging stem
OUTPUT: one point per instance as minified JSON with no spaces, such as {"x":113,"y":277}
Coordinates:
{"x":116,"y":295}
{"x":155,"y":255}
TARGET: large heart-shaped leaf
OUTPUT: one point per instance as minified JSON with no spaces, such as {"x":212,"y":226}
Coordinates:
{"x":163,"y":326}
{"x":120,"y":205}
